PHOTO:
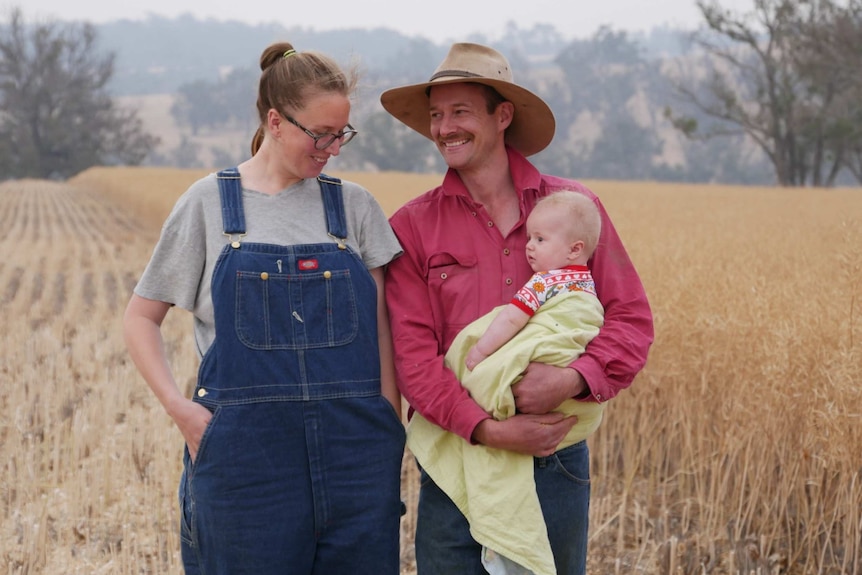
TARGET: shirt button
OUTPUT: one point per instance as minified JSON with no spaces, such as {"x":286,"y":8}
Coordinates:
{"x":506,"y":252}
{"x":508,"y":281}
{"x":490,"y":224}
{"x":598,"y":396}
{"x":443,"y":276}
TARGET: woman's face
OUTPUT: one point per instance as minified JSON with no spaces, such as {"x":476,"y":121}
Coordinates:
{"x":325,"y":113}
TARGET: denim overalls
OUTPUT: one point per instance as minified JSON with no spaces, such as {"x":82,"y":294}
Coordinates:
{"x":298,"y":471}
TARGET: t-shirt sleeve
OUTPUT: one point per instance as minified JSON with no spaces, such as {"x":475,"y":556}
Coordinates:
{"x":377,"y":242}
{"x":528,"y":299}
{"x":174,"y":272}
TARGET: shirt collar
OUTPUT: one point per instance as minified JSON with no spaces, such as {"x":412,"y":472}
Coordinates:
{"x":525,"y":176}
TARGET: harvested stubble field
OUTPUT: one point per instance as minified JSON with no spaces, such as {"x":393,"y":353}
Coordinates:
{"x":738,"y":449}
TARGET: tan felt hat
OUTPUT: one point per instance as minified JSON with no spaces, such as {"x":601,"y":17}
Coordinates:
{"x":533,"y":124}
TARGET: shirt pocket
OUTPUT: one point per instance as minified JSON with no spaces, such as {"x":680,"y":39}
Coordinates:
{"x":453,"y":281}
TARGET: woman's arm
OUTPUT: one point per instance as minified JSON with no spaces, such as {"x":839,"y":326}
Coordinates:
{"x":388,"y":387}
{"x":142,"y":331}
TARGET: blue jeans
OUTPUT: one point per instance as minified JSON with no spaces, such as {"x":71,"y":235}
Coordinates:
{"x":443,"y":542}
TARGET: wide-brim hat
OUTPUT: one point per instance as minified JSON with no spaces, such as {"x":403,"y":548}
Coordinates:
{"x":533,"y":124}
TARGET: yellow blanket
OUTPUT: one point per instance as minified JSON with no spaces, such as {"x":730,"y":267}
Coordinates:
{"x":493,"y":488}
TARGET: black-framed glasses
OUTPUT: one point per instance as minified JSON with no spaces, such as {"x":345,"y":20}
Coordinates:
{"x":323,"y":141}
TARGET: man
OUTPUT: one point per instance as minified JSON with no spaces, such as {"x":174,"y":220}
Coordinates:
{"x":464,"y":254}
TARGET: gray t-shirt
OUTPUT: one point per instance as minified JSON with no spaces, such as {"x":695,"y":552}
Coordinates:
{"x":181,"y":268}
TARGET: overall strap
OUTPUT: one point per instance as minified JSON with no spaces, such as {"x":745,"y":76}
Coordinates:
{"x":230,"y":191}
{"x":333,"y":204}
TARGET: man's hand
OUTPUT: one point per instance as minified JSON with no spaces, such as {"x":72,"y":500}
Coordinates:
{"x":544,"y":387}
{"x":536,"y":435}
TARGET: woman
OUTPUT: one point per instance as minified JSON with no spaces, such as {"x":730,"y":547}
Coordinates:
{"x":293,"y":435}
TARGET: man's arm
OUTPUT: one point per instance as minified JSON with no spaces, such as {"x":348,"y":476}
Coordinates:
{"x":537,"y":435}
{"x":425,"y":382}
{"x":613,"y":358}
{"x":544,"y":387}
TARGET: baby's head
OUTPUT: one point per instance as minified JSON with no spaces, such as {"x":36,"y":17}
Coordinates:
{"x":562,"y":230}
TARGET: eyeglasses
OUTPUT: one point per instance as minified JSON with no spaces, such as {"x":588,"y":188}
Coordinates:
{"x":323,"y":141}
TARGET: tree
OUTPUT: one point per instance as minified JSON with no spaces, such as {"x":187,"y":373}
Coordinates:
{"x":224,"y":102}
{"x":624,"y":150}
{"x":600,"y":75}
{"x":384,"y":143}
{"x":195,"y":106}
{"x":770,"y":76}
{"x":832,"y":56}
{"x":607,"y":79}
{"x":56,"y":116}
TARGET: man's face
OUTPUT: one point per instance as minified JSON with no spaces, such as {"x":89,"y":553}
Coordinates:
{"x":465,"y":133}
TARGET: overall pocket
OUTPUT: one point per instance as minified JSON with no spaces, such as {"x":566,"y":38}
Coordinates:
{"x":186,"y":504}
{"x":295,"y":311}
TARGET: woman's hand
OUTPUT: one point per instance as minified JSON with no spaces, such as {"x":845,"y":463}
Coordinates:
{"x":192,"y":420}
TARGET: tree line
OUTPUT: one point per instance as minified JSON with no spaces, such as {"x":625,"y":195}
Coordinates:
{"x":56,"y":115}
{"x":786,"y":76}
{"x":766,"y":95}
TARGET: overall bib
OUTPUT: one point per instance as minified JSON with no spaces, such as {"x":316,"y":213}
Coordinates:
{"x":298,"y":472}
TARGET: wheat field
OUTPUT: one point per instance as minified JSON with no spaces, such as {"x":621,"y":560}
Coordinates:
{"x":738,"y":450}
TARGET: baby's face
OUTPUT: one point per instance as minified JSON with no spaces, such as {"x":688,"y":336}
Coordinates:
{"x":549,"y":241}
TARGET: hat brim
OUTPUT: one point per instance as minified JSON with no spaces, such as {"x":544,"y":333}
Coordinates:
{"x":530,"y":132}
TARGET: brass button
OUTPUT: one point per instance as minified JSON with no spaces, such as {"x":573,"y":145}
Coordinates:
{"x":234,"y":245}
{"x":327,"y":274}
{"x":202,"y":392}
{"x":264,"y":276}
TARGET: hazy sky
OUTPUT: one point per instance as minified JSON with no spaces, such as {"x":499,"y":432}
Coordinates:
{"x":437,"y":20}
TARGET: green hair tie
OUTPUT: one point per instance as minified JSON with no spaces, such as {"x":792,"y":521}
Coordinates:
{"x":289,"y":53}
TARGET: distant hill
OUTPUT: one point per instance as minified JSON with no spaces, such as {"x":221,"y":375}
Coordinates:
{"x":608,"y":92}
{"x":158,"y":54}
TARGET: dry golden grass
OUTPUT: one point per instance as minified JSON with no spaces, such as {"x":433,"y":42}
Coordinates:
{"x":151,"y":192}
{"x":737,"y":450}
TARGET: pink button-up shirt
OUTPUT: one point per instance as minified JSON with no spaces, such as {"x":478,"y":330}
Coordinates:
{"x":457,"y":266}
